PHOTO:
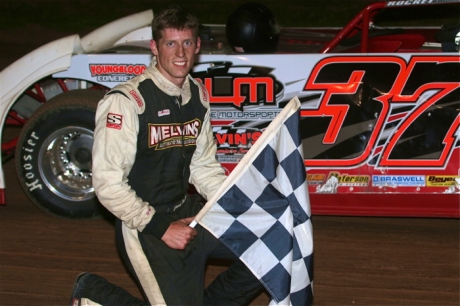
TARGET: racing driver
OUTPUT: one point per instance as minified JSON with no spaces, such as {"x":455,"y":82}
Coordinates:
{"x":152,"y":138}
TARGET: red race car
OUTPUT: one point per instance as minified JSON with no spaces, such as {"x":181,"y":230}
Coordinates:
{"x":380,"y":105}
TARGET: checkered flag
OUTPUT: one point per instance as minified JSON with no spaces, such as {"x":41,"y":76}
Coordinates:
{"x":262,"y":212}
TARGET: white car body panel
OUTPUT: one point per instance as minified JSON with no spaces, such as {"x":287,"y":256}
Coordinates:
{"x":56,"y":56}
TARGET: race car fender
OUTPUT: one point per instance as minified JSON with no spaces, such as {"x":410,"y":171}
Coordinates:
{"x":107,"y":35}
{"x":20,"y":75}
{"x":56,"y":56}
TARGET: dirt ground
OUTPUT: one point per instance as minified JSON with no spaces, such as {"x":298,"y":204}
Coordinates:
{"x":358,"y":260}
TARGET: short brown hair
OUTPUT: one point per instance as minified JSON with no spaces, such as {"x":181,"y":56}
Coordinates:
{"x":174,"y":17}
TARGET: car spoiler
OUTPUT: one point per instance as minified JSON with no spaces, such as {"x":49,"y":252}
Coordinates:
{"x":362,"y":19}
{"x":104,"y":37}
{"x":399,"y":3}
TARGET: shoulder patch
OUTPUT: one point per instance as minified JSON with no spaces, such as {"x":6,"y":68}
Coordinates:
{"x":132,"y":94}
{"x":203,"y":90}
{"x":136,"y":97}
{"x":114,"y":121}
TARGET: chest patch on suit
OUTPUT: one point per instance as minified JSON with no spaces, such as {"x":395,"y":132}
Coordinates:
{"x":164,"y":112}
{"x":163,"y":136}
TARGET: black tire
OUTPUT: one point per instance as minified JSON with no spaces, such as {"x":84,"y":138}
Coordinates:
{"x":53,"y":155}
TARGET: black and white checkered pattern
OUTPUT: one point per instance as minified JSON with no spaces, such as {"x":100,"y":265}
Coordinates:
{"x":264,"y":217}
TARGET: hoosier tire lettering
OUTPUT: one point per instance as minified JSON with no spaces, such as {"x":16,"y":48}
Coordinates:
{"x":32,"y":181}
{"x":54,"y":155}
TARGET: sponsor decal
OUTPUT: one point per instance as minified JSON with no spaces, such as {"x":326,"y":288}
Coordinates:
{"x":231,"y":158}
{"x":115,"y":72}
{"x":114,"y":121}
{"x":173,"y":135}
{"x":235,"y":138}
{"x":344,"y":179}
{"x":238,"y":86}
{"x":259,"y":114}
{"x":455,"y":187}
{"x":336,"y":179}
{"x":440,"y":180}
{"x":315,"y":178}
{"x":137,"y":98}
{"x":330,"y":186}
{"x":235,"y":151}
{"x":398,"y":180}
{"x":234,"y":141}
{"x":243,"y":90}
{"x":418,"y":2}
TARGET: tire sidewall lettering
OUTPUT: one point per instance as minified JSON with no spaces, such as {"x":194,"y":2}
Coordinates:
{"x":32,"y":180}
{"x":75,"y":108}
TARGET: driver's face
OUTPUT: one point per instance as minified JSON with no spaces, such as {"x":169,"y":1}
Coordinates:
{"x":175,"y":53}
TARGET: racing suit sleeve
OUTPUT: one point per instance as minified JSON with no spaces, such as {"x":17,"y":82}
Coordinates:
{"x":206,"y":173}
{"x":114,"y":151}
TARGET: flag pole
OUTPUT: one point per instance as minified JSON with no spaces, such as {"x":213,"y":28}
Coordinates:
{"x":249,"y":157}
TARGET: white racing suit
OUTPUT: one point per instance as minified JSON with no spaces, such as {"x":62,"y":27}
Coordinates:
{"x":151,"y":140}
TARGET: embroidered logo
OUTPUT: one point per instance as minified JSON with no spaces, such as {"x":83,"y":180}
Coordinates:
{"x":164,"y":112}
{"x":114,"y":121}
{"x":205,"y":93}
{"x":174,"y":135}
{"x":137,"y":98}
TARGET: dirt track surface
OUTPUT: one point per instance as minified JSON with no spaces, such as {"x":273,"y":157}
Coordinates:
{"x":358,"y":261}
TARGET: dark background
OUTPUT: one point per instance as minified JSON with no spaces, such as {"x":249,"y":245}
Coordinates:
{"x":28,"y":24}
{"x":358,"y":260}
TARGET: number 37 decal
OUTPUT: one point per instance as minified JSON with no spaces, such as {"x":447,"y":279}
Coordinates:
{"x":383,"y":110}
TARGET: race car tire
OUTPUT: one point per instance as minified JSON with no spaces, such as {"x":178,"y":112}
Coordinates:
{"x":54,"y":156}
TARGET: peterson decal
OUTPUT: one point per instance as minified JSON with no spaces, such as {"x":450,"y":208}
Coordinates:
{"x":336,"y":179}
{"x":344,"y":179}
{"x":173,"y":135}
{"x":330,"y":186}
{"x":115,"y":72}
